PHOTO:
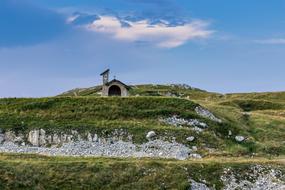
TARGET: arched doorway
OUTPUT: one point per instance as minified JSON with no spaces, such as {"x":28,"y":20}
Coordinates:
{"x":114,"y":91}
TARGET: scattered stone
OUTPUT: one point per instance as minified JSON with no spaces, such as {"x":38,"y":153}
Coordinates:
{"x":157,"y":148}
{"x":190,"y":139}
{"x":239,"y":138}
{"x":195,"y":156}
{"x":257,"y":178}
{"x":150,"y":135}
{"x":179,"y":122}
{"x":207,"y":114}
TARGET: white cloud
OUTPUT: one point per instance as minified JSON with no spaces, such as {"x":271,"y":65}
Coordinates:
{"x":161,"y":34}
{"x":273,"y":41}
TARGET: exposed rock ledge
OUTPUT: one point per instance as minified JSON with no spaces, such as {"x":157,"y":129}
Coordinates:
{"x":73,"y":144}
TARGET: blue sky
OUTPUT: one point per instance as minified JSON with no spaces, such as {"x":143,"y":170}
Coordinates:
{"x":50,"y":46}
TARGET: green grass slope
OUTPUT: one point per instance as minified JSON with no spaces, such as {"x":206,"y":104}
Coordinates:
{"x":41,"y":172}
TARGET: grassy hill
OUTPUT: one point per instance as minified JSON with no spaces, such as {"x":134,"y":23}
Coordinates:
{"x":259,"y":117}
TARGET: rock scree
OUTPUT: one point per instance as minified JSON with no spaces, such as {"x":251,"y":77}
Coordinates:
{"x":38,"y":141}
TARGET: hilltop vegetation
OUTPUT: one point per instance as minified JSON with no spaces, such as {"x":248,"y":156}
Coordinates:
{"x":259,"y":117}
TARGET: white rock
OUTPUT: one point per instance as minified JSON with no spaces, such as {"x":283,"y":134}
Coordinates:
{"x":230,"y":133}
{"x":150,"y":135}
{"x":33,"y":137}
{"x":95,"y":138}
{"x":190,"y":139}
{"x":194,"y":148}
{"x":89,"y":137}
{"x":195,"y":156}
{"x":239,"y":138}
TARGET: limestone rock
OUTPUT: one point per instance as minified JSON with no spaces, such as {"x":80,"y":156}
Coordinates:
{"x":150,"y":135}
{"x":190,"y":139}
{"x":195,"y":156}
{"x":239,"y":138}
{"x":42,"y":137}
{"x":33,"y":137}
{"x":89,"y":137}
{"x":95,"y":138}
{"x":56,"y":139}
{"x":179,"y":122}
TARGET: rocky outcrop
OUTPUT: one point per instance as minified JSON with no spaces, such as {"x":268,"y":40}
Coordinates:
{"x":180,"y":122}
{"x":207,"y":114}
{"x":74,"y":144}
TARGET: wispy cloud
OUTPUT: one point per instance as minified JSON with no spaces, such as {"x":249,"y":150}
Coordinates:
{"x":161,"y":33}
{"x":272,"y":41}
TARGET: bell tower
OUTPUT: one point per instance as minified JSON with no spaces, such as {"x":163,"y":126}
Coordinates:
{"x":105,"y":76}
